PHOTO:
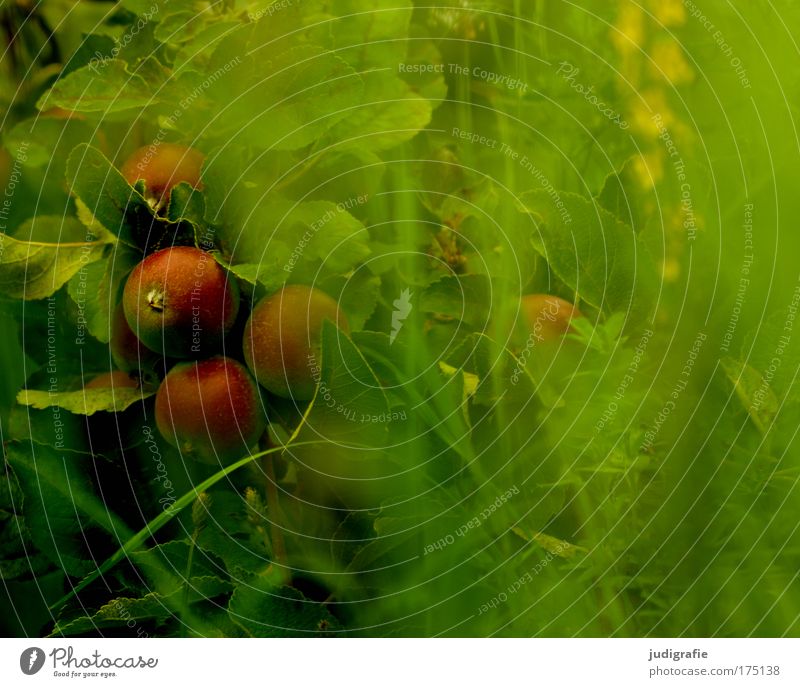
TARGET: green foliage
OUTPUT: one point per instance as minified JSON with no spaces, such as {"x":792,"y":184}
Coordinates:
{"x":34,"y":270}
{"x":594,"y":253}
{"x":426,"y":167}
{"x":94,"y":90}
{"x":86,"y":401}
{"x":286,"y":612}
{"x":62,"y":512}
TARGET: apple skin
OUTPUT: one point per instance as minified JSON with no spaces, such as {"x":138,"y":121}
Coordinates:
{"x":127,"y":352}
{"x":546,"y":318}
{"x":6,"y":163}
{"x":180,"y":302}
{"x":282,"y":339}
{"x":163,"y":166}
{"x":210,"y":409}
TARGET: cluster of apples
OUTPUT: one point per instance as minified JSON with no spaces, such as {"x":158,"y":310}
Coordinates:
{"x":176,"y":319}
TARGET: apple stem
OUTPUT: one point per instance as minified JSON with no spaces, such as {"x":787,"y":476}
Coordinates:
{"x":155,"y":299}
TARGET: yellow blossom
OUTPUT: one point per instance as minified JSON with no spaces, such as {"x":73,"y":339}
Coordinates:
{"x":669,"y":12}
{"x":629,"y":30}
{"x":649,"y":168}
{"x":668,"y":62}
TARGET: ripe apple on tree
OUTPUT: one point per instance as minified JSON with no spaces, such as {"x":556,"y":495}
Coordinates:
{"x":282,"y":339}
{"x":180,"y":302}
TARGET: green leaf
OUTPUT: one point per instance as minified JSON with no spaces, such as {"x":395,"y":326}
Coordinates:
{"x":755,"y":395}
{"x":371,"y":36}
{"x":153,"y":606}
{"x":25,"y":424}
{"x":172,"y":566}
{"x":106,"y":88}
{"x":104,"y":191}
{"x":357,"y":294}
{"x":180,"y":27}
{"x":265,"y":610}
{"x":351,"y":412}
{"x":282,"y":239}
{"x":47,"y":140}
{"x":467,"y":298}
{"x":398,"y":526}
{"x":348,"y":396}
{"x":93,"y":306}
{"x":32,"y":270}
{"x":61,"y":508}
{"x":115,"y":613}
{"x":230,"y":535}
{"x":108,"y":199}
{"x":501,"y":374}
{"x":624,"y":196}
{"x":135,"y":542}
{"x":592,"y":252}
{"x":85,"y":401}
{"x":306,"y":92}
{"x":337,"y":238}
{"x":195,"y":53}
{"x":270,"y":275}
{"x":186,"y":203}
{"x":390,"y":114}
{"x":95,"y":287}
{"x":430,"y":84}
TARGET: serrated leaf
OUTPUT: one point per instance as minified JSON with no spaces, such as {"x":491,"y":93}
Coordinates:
{"x":32,"y":270}
{"x":102,"y":188}
{"x":230,"y":536}
{"x":283,"y":240}
{"x":109,"y":200}
{"x":371,"y":36}
{"x":194,"y":53}
{"x":340,"y":240}
{"x":357,"y":295}
{"x":306,"y":90}
{"x":269,"y":275}
{"x":186,"y":203}
{"x":180,"y":26}
{"x":116,"y":612}
{"x":265,"y":610}
{"x":153,"y":606}
{"x":348,"y":395}
{"x":467,"y":298}
{"x":390,"y":114}
{"x":106,"y":88}
{"x":168,"y":568}
{"x":593,"y":252}
{"x":85,"y":401}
